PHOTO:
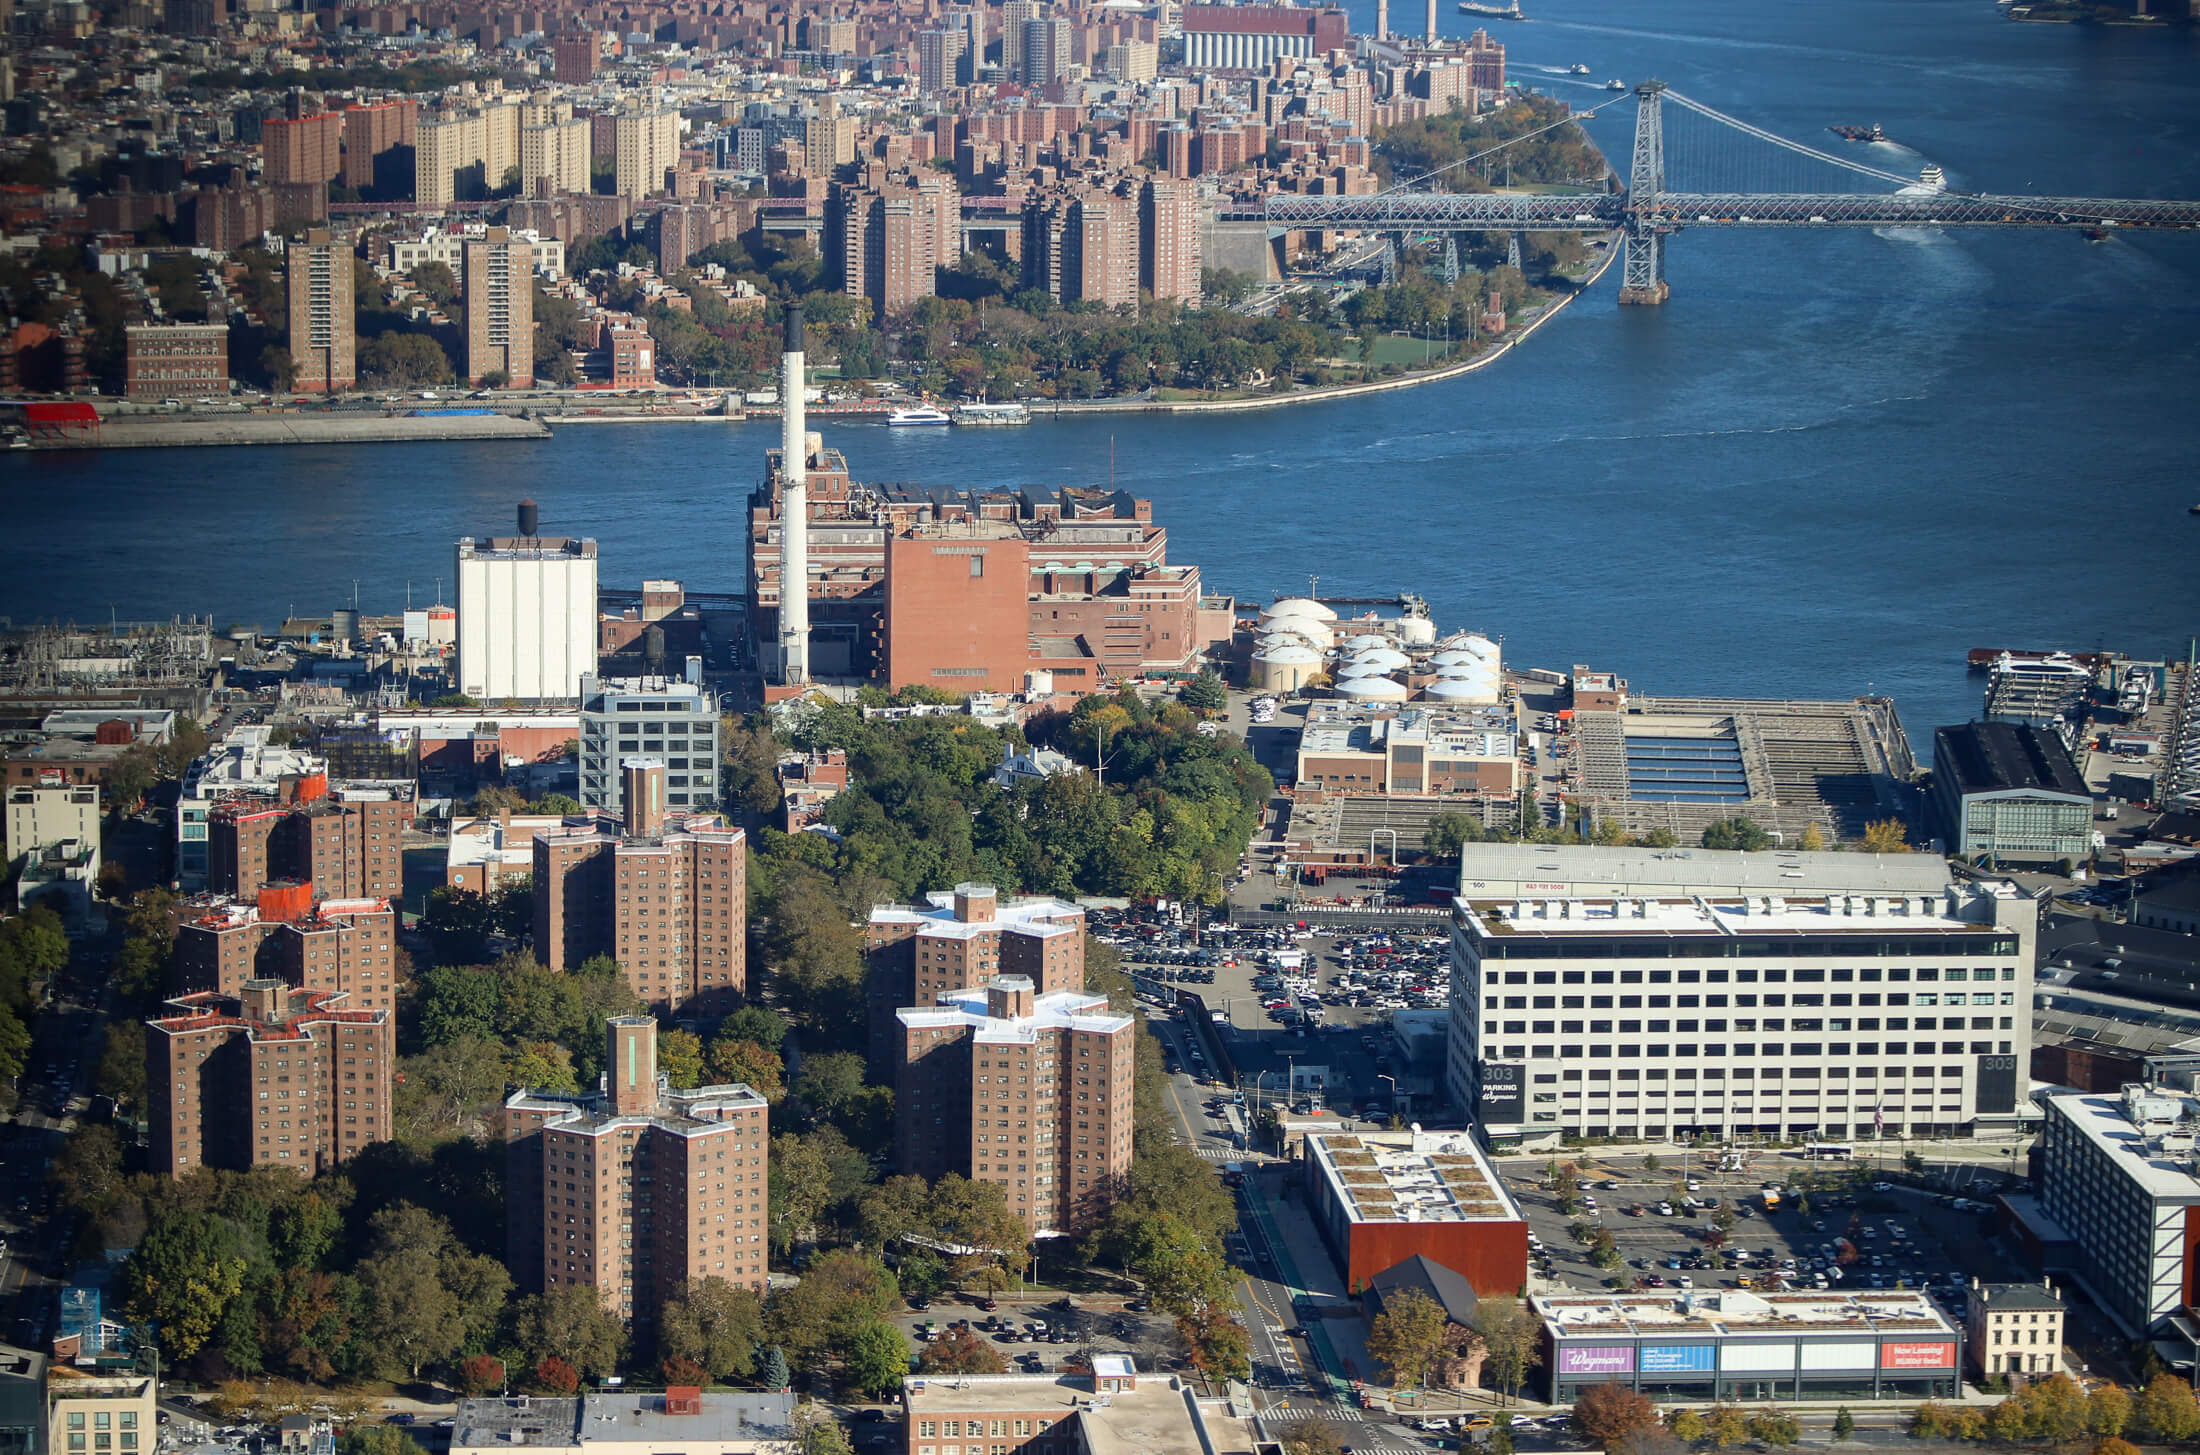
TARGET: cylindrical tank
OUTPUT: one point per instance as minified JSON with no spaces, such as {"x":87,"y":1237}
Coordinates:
{"x":1372,"y":689}
{"x":653,"y":645}
{"x":1284,"y":667}
{"x":1480,"y":645}
{"x":1470,"y":691}
{"x":1458,"y":657}
{"x":344,"y":624}
{"x":1416,"y":631}
{"x":1299,"y":628}
{"x":530,"y":518}
{"x":1297,"y":606}
{"x":1379,"y":659}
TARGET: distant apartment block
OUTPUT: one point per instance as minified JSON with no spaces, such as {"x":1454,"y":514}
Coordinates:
{"x":181,"y":359}
{"x":634,"y":1189}
{"x":648,"y":146}
{"x":324,"y":346}
{"x":500,"y":308}
{"x":309,"y":149}
{"x":892,"y":238}
{"x":272,"y":1076}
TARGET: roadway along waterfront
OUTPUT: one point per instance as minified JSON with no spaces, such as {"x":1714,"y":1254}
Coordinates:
{"x":1832,"y":463}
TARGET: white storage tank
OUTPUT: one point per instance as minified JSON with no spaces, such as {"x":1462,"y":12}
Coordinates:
{"x":1467,"y":691}
{"x":1377,"y":659}
{"x":1373,"y":689}
{"x":1284,"y":667}
{"x":1299,"y":606}
{"x":1416,"y":631}
{"x":1304,"y":628}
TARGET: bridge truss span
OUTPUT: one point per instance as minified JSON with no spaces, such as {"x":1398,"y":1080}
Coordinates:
{"x":1650,"y":210}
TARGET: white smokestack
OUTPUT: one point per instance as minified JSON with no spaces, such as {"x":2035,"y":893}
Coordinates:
{"x":1382,"y":19}
{"x":794,"y":515}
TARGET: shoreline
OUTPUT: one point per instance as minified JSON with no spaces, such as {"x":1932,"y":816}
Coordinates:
{"x":147,"y":431}
{"x":1341,"y":391}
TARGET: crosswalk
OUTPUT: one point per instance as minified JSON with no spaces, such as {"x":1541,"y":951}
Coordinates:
{"x":1300,"y":1411}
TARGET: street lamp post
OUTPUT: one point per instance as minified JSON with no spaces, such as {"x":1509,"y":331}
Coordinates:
{"x":1395,"y":1097}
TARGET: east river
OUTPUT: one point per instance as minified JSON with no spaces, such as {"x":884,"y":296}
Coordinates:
{"x":1831,"y":464}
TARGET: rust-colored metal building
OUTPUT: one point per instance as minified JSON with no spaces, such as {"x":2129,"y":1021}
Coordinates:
{"x":1380,"y":1198}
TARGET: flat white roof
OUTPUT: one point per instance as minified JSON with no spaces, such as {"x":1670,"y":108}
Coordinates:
{"x":1060,"y":1010}
{"x":1739,"y":1312}
{"x":1411,"y":1177}
{"x":1567,"y":870}
{"x":2155,"y":1156}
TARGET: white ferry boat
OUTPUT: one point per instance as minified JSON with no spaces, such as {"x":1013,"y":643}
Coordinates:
{"x":920,"y":414}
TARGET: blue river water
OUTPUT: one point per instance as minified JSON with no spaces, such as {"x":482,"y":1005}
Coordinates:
{"x":1831,"y":464}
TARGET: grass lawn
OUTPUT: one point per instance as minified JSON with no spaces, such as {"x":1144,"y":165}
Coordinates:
{"x":1412,"y":352}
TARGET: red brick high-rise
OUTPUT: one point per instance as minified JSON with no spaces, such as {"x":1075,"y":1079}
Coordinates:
{"x":666,"y":898}
{"x":342,"y":946}
{"x":324,"y":343}
{"x":635,"y":1188}
{"x":346,"y":842}
{"x":272,"y":1076}
{"x":960,"y":939}
{"x":1029,"y":1091}
{"x":310,"y":149}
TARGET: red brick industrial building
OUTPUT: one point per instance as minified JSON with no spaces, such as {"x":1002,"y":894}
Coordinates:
{"x":635,"y":1189}
{"x":1100,"y":600}
{"x":274,"y":1075}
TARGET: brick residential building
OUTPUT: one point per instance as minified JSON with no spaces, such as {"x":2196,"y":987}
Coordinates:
{"x":182,"y":359}
{"x":634,"y":1189}
{"x":892,"y":235}
{"x":664,"y":894}
{"x":308,"y":149}
{"x":274,"y":1075}
{"x":372,"y":134}
{"x":1168,"y":240}
{"x":344,"y":842}
{"x":1081,"y":243}
{"x":961,"y":938}
{"x":342,"y":946}
{"x":1028,"y":1091}
{"x":500,"y":308}
{"x":324,"y":345}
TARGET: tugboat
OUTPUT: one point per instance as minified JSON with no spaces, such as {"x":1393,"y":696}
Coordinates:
{"x":1858,"y":133}
{"x":1577,"y":69}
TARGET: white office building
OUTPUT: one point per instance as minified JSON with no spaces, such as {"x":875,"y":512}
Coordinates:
{"x":1665,"y":993}
{"x":527,"y":615}
{"x":2120,"y":1192}
{"x":663,"y":718}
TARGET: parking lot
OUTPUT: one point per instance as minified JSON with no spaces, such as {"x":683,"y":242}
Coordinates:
{"x":1831,"y":1227}
{"x":1298,"y":1002}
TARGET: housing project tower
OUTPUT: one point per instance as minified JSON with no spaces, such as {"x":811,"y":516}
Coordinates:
{"x":794,"y":557}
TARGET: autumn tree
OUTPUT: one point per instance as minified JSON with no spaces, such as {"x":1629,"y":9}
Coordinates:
{"x":1216,"y":1343}
{"x":1312,"y":1437}
{"x":1775,"y":1427}
{"x":713,"y":1324}
{"x":1605,"y":1414}
{"x":1727,"y":1426}
{"x":1886,"y":836}
{"x":1512,"y":1340}
{"x":959,"y":1351}
{"x":1407,"y":1336}
{"x":2167,"y":1407}
{"x":2108,"y":1410}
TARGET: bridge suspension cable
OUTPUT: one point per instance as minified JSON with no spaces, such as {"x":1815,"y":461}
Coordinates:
{"x":1780,"y":141}
{"x":1568,"y":119}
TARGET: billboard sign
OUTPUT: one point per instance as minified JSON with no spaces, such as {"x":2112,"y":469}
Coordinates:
{"x":1934,"y":1355}
{"x":1757,"y":1358}
{"x":1596,"y":1359}
{"x":1504,"y":1099}
{"x":1856,"y":1354}
{"x":1677,"y":1358}
{"x":1997,"y":1084}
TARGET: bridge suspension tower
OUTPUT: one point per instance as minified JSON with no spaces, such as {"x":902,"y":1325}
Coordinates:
{"x":1648,"y":219}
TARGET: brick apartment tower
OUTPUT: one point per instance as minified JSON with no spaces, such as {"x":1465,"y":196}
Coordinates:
{"x":1028,"y":1091}
{"x":500,"y":308}
{"x":343,"y":947}
{"x":634,"y":1189}
{"x":347,"y":843}
{"x":960,"y":939}
{"x":324,"y":345}
{"x":274,"y":1076}
{"x":666,"y":898}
